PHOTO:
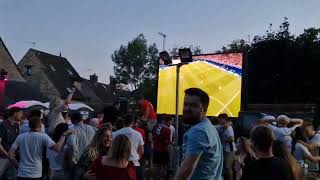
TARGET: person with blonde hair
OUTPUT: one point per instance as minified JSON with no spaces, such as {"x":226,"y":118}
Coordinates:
{"x":244,"y":155}
{"x":99,"y":147}
{"x":116,"y":164}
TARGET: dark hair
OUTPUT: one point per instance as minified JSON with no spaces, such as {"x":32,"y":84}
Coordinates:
{"x":223,"y":116}
{"x":204,"y":98}
{"x":165,"y":118}
{"x":128,"y":119}
{"x":76,"y":117}
{"x":119,"y":123}
{"x":64,"y":114}
{"x":34,"y":113}
{"x":34,"y":123}
{"x":59,"y":130}
{"x":296,"y":135}
{"x":262,"y":138}
{"x":14,"y":110}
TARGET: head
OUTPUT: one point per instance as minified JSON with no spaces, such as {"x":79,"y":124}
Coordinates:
{"x":283,"y":121}
{"x":35,"y":124}
{"x":119,"y":123}
{"x":116,"y":105}
{"x":195,"y":105}
{"x":223,"y":119}
{"x":120,"y":148}
{"x":16,"y":114}
{"x":35,"y":113}
{"x":95,"y":122}
{"x":76,"y":118}
{"x":59,"y":130}
{"x":166,"y":119}
{"x":100,"y":116}
{"x":140,"y":100}
{"x":128,"y":120}
{"x":262,"y":138}
{"x":101,"y":142}
{"x":244,"y":145}
{"x":309,"y":129}
{"x":55,"y":101}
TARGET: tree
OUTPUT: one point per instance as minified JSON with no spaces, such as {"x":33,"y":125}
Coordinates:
{"x":135,"y":63}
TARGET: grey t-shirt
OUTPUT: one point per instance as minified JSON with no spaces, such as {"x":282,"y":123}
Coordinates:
{"x":224,"y":134}
{"x":77,"y":142}
{"x":31,"y":146}
{"x":301,"y":153}
{"x":314,"y":166}
{"x":55,"y":117}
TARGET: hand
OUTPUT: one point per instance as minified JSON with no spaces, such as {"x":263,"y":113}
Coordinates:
{"x":68,"y":132}
{"x":89,"y":175}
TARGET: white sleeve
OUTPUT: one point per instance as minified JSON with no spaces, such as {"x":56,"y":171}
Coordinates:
{"x":291,"y":129}
{"x":48,"y":141}
{"x":305,"y":151}
{"x":16,"y":143}
{"x":273,"y":128}
{"x":229,"y":132}
{"x":140,"y":139}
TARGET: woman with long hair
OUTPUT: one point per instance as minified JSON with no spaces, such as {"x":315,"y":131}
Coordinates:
{"x":244,"y":156}
{"x":116,"y":164}
{"x":99,"y":147}
{"x":300,"y":152}
{"x":280,"y":150}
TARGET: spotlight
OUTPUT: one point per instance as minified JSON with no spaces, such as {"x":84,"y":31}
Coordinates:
{"x":185,"y":55}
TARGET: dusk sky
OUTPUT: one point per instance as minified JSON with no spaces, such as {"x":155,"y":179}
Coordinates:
{"x":87,"y":32}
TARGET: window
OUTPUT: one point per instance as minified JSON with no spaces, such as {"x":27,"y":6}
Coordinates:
{"x":70,"y":72}
{"x":52,"y":68}
{"x":69,"y":90}
{"x":28,"y":70}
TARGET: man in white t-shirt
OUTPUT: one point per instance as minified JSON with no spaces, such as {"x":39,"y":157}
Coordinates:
{"x":226,"y":134}
{"x":281,"y":131}
{"x":136,"y":143}
{"x":30,"y":146}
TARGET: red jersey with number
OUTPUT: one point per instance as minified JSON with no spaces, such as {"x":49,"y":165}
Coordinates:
{"x":147,"y":105}
{"x":161,"y":138}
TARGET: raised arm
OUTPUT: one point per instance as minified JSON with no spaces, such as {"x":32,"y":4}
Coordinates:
{"x":296,"y":121}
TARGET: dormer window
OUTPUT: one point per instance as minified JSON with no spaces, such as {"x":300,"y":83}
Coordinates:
{"x":28,"y":70}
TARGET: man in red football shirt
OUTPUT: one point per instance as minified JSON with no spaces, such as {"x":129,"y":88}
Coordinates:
{"x":149,"y":114}
{"x":161,"y":150}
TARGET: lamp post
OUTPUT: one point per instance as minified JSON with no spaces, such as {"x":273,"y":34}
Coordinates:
{"x":164,"y":39}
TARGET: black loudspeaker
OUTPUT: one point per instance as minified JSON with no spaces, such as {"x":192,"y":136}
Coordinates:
{"x":185,"y":55}
{"x":165,"y":57}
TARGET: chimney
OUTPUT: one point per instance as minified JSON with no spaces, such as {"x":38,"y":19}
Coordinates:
{"x":94,"y":78}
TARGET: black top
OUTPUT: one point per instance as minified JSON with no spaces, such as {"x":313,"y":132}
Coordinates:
{"x":267,"y":169}
{"x":8,"y":134}
{"x":110,"y":114}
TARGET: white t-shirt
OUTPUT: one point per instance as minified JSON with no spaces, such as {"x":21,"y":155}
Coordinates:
{"x":31,"y":146}
{"x":56,"y":158}
{"x":172,"y":132}
{"x":225,"y":134}
{"x":314,"y":166}
{"x":301,"y":153}
{"x":283,"y":134}
{"x":135,"y":139}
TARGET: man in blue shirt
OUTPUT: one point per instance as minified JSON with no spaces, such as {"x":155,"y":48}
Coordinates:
{"x":202,"y":149}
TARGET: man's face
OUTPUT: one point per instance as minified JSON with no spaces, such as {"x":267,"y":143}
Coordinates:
{"x":222,"y":121}
{"x":192,"y":109}
{"x":100,"y":116}
{"x":309,"y":131}
{"x":18,"y":116}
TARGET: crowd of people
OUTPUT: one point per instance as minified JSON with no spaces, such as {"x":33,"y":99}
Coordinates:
{"x":140,"y":146}
{"x":232,"y":59}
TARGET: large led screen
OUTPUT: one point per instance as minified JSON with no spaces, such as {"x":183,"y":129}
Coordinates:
{"x":217,"y":74}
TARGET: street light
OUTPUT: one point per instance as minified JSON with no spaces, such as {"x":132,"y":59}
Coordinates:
{"x":185,"y":57}
{"x":164,"y":39}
